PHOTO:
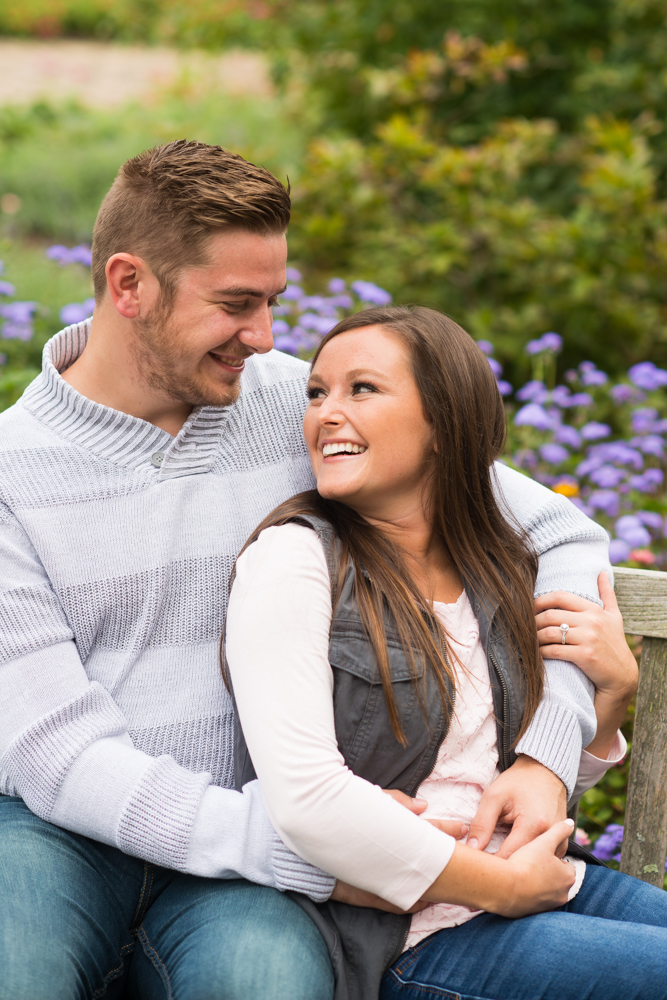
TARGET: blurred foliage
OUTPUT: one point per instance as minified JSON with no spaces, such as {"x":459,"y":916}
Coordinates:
{"x":61,"y":192}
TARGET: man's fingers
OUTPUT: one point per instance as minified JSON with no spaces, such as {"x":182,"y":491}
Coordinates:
{"x":520,"y":835}
{"x":454,"y":828}
{"x":563,"y":601}
{"x":607,"y":595}
{"x":485,"y":821}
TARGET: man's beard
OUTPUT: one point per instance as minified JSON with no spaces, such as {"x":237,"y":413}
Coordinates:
{"x":163,"y":367}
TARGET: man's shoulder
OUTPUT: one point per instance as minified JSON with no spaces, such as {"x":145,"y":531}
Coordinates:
{"x":274,"y":368}
{"x":20,"y":430}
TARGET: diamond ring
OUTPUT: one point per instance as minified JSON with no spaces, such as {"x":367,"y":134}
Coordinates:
{"x":564,"y":629}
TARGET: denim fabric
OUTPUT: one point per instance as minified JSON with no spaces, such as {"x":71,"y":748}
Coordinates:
{"x":81,"y":921}
{"x":608,"y":943}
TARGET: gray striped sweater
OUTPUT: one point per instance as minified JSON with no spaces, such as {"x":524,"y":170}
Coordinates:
{"x":116,"y":544}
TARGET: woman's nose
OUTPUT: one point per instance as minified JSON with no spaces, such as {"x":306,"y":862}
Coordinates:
{"x":329,"y":412}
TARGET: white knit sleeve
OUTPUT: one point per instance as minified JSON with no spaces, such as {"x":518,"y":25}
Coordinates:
{"x":65,"y":749}
{"x":573,"y":550}
{"x":277,"y":648}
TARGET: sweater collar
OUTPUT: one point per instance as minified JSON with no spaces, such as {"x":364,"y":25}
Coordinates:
{"x":109,"y":434}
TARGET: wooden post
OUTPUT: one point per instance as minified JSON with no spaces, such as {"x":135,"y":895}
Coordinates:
{"x":642,"y":597}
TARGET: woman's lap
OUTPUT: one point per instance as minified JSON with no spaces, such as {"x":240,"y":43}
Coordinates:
{"x":597,"y":947}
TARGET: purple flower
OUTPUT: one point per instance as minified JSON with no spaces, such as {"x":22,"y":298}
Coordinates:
{"x":554,"y":454}
{"x":580,"y":399}
{"x":320,"y":324}
{"x":594,"y":377}
{"x":652,"y":444}
{"x":336,"y":286}
{"x":293,"y":275}
{"x":608,"y":845}
{"x":643,"y":419}
{"x":647,"y":376}
{"x":486,"y":347}
{"x":18,"y":312}
{"x":293,"y":293}
{"x":287,"y":344}
{"x":504,"y":388}
{"x":607,"y":501}
{"x":608,"y":476}
{"x":76,"y":312}
{"x":547,"y":342}
{"x":534,"y":415}
{"x":343,"y":301}
{"x":280,"y":328}
{"x":6,"y":288}
{"x":583,"y":507}
{"x":619,"y":551}
{"x":525,"y":458}
{"x":618,"y":452}
{"x":630,"y":529}
{"x":496,"y":367}
{"x":80,"y":254}
{"x":561,"y":396}
{"x":651,"y":519}
{"x":593,"y":431}
{"x":17,"y":331}
{"x":568,"y":435}
{"x":368,"y":292}
{"x":626,"y":393}
{"x":648,"y":482}
{"x":533,"y":391}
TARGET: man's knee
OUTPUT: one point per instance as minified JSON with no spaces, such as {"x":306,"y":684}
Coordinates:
{"x":234,"y":942}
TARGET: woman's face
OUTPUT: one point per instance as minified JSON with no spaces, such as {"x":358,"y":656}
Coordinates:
{"x":370,"y":443}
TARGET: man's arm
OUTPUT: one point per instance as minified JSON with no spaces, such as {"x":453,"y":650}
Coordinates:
{"x":65,"y":749}
{"x":573,"y":550}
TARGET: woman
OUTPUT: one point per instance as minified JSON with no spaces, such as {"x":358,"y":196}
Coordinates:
{"x":422,"y":678}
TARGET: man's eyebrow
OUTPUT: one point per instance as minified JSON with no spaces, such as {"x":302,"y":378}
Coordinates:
{"x":237,"y":290}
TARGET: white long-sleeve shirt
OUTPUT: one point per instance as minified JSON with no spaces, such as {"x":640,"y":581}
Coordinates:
{"x":277,"y":641}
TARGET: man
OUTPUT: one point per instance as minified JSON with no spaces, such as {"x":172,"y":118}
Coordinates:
{"x":131,"y":472}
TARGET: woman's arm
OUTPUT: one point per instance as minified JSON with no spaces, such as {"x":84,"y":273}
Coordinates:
{"x":596,"y":643}
{"x":277,"y":643}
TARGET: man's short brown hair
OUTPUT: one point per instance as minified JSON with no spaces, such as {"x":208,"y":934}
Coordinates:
{"x":167,"y":201}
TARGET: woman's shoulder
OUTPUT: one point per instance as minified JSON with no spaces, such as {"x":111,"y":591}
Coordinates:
{"x":286,"y":549}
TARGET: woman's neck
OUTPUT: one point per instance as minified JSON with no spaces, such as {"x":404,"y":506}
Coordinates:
{"x":426,"y":556}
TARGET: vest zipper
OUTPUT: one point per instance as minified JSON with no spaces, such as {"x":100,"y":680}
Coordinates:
{"x":505,"y":750}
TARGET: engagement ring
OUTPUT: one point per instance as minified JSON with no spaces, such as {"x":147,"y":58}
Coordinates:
{"x":564,"y":629}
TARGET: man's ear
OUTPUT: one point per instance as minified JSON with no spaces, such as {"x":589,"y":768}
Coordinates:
{"x":132,"y":285}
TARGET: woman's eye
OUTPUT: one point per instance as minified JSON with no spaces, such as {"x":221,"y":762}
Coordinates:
{"x":314,"y":393}
{"x":361,"y":388}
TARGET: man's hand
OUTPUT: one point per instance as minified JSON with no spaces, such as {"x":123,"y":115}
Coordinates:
{"x":345,"y":893}
{"x":527,"y":796}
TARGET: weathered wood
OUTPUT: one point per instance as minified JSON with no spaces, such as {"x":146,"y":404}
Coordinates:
{"x":642,"y":598}
{"x":645,"y":838}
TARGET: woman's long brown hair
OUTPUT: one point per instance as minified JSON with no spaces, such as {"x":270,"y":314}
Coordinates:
{"x":461,"y":399}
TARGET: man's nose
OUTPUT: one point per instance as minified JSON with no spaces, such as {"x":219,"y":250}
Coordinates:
{"x":256,"y":334}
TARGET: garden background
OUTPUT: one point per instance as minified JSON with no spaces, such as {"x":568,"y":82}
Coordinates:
{"x":502,"y":160}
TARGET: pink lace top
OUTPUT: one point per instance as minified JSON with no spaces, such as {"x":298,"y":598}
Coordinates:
{"x":468,"y":759}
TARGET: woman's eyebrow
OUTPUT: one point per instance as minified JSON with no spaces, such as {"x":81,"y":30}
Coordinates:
{"x":358,"y":372}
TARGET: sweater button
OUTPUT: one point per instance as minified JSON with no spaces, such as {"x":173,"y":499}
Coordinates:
{"x":157,"y":458}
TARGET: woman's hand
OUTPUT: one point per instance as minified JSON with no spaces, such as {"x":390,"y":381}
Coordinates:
{"x":595,"y":642}
{"x":453,"y":827}
{"x":531,"y":881}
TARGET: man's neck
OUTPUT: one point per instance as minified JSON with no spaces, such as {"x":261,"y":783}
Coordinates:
{"x":106,"y":372}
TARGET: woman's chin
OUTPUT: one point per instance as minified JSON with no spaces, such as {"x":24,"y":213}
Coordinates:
{"x":343,"y":492}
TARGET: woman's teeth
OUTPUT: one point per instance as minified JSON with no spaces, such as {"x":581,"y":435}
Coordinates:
{"x":339,"y":448}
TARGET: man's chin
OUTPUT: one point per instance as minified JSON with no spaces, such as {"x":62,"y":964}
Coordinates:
{"x":204,"y":393}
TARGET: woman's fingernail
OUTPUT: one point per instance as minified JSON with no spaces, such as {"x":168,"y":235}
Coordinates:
{"x":474,"y":843}
{"x":570,"y":823}
{"x":420,"y":802}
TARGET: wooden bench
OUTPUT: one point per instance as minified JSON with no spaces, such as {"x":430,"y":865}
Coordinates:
{"x":642,"y":598}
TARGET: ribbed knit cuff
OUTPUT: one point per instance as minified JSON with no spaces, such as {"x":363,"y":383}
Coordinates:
{"x":157,"y":820}
{"x":293,"y":873}
{"x":554,"y":739}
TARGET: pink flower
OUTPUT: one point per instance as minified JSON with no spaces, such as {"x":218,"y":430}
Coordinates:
{"x":644,"y":556}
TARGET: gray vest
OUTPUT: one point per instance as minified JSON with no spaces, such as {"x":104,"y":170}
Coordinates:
{"x":363,"y":942}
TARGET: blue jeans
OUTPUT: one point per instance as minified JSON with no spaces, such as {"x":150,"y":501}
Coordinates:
{"x":81,"y":921}
{"x":608,"y":943}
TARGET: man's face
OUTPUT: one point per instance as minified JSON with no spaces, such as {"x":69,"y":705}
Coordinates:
{"x":220,"y":315}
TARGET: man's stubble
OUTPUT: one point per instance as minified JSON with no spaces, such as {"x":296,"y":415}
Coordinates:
{"x":165,"y":367}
